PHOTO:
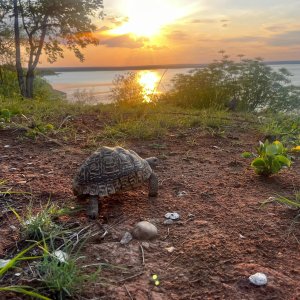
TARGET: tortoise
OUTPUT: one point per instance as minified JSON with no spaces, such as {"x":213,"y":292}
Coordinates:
{"x":111,"y":170}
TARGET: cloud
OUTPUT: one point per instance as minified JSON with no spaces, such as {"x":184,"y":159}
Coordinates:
{"x":177,"y":35}
{"x":123,"y":41}
{"x":275,"y":28}
{"x":117,"y":21}
{"x":156,"y":47}
{"x":103,"y":28}
{"x":288,"y":38}
{"x":245,"y":39}
{"x":203,"y":21}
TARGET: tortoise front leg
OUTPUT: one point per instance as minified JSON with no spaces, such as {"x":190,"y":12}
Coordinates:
{"x":93,"y":207}
{"x":153,"y":185}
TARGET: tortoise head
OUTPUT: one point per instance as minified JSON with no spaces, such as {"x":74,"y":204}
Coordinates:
{"x":152,"y":161}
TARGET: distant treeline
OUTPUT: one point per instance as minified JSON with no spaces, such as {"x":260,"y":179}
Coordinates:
{"x":144,"y":67}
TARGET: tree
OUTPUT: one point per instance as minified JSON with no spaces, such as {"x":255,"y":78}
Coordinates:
{"x":50,"y":26}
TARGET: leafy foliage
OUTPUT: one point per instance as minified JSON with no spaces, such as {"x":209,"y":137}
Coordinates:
{"x":127,"y":90}
{"x":255,"y":85}
{"x":281,"y":127}
{"x":49,"y":26}
{"x":39,"y":128}
{"x":271,"y":158}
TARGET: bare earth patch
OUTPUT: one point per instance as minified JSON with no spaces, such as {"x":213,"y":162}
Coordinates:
{"x":222,"y":237}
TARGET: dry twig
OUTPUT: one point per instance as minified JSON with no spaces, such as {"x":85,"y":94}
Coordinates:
{"x":128,"y":293}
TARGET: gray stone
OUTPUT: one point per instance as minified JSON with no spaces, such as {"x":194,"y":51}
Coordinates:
{"x":168,"y":222}
{"x":126,"y":238}
{"x":182,"y":194}
{"x":144,"y":231}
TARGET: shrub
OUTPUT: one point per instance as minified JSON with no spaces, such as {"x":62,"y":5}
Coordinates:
{"x":127,"y":90}
{"x":255,"y":85}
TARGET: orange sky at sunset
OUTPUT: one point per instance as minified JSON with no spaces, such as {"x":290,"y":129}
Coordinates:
{"x":143,"y":32}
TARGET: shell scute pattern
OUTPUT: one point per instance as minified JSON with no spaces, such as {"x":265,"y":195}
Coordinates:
{"x":110,"y":170}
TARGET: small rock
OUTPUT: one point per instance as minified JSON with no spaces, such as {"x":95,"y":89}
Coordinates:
{"x":172,"y":216}
{"x":168,"y":222}
{"x":13,"y":227}
{"x":144,"y":231}
{"x":146,"y":245}
{"x":182,"y":194}
{"x":258,"y":279}
{"x":6,"y":146}
{"x":61,"y":256}
{"x":191,"y":215}
{"x":4,"y":262}
{"x":170,"y":249}
{"x":126,"y":238}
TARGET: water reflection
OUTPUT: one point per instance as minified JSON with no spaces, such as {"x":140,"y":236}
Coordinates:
{"x":149,"y":80}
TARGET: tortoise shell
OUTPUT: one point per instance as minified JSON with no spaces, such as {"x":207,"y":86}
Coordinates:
{"x":110,"y":170}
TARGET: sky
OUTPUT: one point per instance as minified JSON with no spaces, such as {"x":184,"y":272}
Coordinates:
{"x":147,"y":32}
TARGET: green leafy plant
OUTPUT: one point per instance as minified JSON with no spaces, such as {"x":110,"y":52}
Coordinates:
{"x":270,"y":158}
{"x":38,"y":129}
{"x":5,"y":115}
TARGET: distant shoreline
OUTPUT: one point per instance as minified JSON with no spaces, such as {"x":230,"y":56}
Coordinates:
{"x":148,"y":67}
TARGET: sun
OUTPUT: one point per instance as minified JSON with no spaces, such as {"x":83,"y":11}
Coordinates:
{"x":146,"y":18}
{"x":149,"y":81}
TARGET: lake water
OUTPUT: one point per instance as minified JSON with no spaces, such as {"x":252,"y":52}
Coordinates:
{"x":95,"y":86}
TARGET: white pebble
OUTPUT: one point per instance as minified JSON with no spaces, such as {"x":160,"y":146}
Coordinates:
{"x":61,"y":256}
{"x":4,"y":262}
{"x":172,"y":216}
{"x":258,"y":279}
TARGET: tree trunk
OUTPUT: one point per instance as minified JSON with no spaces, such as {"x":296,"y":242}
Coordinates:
{"x":29,"y":83}
{"x":19,"y":68}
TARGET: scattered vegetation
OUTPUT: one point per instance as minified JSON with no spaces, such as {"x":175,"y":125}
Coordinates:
{"x":39,"y":225}
{"x":254,"y":85}
{"x":61,"y":274}
{"x":283,"y":127}
{"x":294,"y":202}
{"x":11,"y":264}
{"x":270,"y":158}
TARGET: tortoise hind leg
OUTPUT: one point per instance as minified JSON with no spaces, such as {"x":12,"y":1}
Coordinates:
{"x":93,"y":207}
{"x":153,"y":185}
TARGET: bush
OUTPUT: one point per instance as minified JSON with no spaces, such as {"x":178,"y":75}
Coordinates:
{"x":127,"y":90}
{"x":255,"y":85}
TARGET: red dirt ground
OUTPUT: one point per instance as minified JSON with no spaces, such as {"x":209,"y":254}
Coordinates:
{"x":222,"y":237}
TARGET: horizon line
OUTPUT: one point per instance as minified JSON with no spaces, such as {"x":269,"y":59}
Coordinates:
{"x":154,"y":66}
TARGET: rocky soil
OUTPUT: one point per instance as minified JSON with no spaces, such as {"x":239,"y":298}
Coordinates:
{"x":222,"y":237}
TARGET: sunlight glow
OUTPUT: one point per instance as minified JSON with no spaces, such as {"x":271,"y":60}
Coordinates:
{"x":146,"y":18}
{"x":149,"y":81}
